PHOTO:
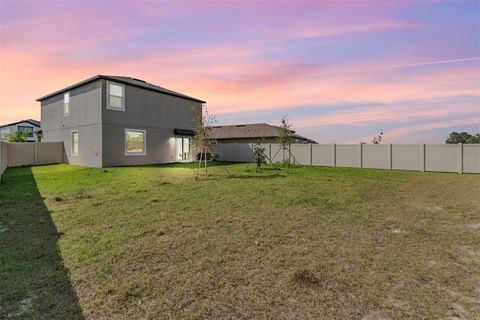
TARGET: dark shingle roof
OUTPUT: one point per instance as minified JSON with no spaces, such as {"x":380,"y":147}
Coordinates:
{"x":252,"y":130}
{"x":31,"y":121}
{"x":124,"y":80}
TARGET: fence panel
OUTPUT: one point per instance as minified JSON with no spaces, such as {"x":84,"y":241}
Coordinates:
{"x":348,"y":155}
{"x":301,"y":153}
{"x":14,"y":154}
{"x":237,"y":152}
{"x":3,"y":156}
{"x":278,"y":154}
{"x":323,"y":155}
{"x":48,"y":152}
{"x":21,"y":154}
{"x":471,"y":158}
{"x":407,"y":156}
{"x":266,"y":146}
{"x":376,"y":156}
{"x":441,"y":157}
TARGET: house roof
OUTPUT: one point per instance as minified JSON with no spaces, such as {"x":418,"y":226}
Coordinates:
{"x":31,"y":121}
{"x":124,"y":80}
{"x":252,"y":130}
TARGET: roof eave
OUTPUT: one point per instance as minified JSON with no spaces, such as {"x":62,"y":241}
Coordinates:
{"x":151,"y":89}
{"x":73,"y":86}
{"x":98,"y":77}
{"x":14,"y":123}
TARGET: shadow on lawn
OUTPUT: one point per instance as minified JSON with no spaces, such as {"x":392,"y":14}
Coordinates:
{"x":34,"y":283}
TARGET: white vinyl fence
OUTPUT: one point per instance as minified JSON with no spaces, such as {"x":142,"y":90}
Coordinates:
{"x":29,"y":153}
{"x":461,"y":158}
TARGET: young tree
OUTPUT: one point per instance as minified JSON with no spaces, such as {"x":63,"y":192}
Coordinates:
{"x":203,"y":123}
{"x":18,"y":136}
{"x":258,"y":155}
{"x":378,"y":139}
{"x":285,"y":134}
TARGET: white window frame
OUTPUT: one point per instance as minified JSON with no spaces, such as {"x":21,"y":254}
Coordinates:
{"x":108,"y":96}
{"x":144,"y":153}
{"x":78,"y":143}
{"x":66,"y":94}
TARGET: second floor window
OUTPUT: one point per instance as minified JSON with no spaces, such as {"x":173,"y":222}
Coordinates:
{"x":66,"y":103}
{"x":26,"y":129}
{"x":116,"y":97}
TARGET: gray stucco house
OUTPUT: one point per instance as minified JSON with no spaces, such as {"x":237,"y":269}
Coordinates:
{"x":115,"y":121}
{"x":31,"y":126}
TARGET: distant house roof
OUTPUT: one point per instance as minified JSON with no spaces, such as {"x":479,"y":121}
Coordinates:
{"x":31,"y":121}
{"x":250,"y":131}
{"x":124,"y":80}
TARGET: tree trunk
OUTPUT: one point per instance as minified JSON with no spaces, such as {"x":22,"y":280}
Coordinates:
{"x":199,"y":163}
{"x":206,"y":170}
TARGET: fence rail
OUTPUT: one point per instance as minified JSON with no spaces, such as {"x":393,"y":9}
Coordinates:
{"x":421,"y":157}
{"x":29,"y":153}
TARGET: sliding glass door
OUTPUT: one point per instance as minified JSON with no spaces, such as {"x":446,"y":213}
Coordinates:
{"x":183,"y":149}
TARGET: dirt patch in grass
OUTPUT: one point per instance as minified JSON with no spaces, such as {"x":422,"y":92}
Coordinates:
{"x":306,"y":278}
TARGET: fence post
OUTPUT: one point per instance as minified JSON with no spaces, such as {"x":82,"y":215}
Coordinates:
{"x":35,"y":152}
{"x":334,"y":156}
{"x":460,"y":158}
{"x":390,"y":155}
{"x":423,"y":159}
{"x":360,"y":160}
{"x":270,"y":151}
{"x":311,"y":154}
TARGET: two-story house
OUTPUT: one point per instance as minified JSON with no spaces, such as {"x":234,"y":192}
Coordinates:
{"x":30,"y":126}
{"x":115,"y":121}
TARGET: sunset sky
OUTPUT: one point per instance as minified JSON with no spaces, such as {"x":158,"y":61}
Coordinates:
{"x":340,"y":70}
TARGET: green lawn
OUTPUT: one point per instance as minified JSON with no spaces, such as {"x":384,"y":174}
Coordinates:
{"x":300,"y":243}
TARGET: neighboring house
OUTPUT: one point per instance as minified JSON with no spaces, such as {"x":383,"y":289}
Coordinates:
{"x":251,"y":133}
{"x":115,"y":121}
{"x":31,"y":126}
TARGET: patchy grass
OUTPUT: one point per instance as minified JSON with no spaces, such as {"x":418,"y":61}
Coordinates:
{"x":151,"y":242}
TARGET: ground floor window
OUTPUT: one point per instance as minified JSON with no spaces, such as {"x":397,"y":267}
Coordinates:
{"x":74,"y":142}
{"x":183,"y":149}
{"x":135,"y":142}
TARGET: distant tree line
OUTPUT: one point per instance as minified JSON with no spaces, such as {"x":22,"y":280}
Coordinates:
{"x":462,"y":137}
